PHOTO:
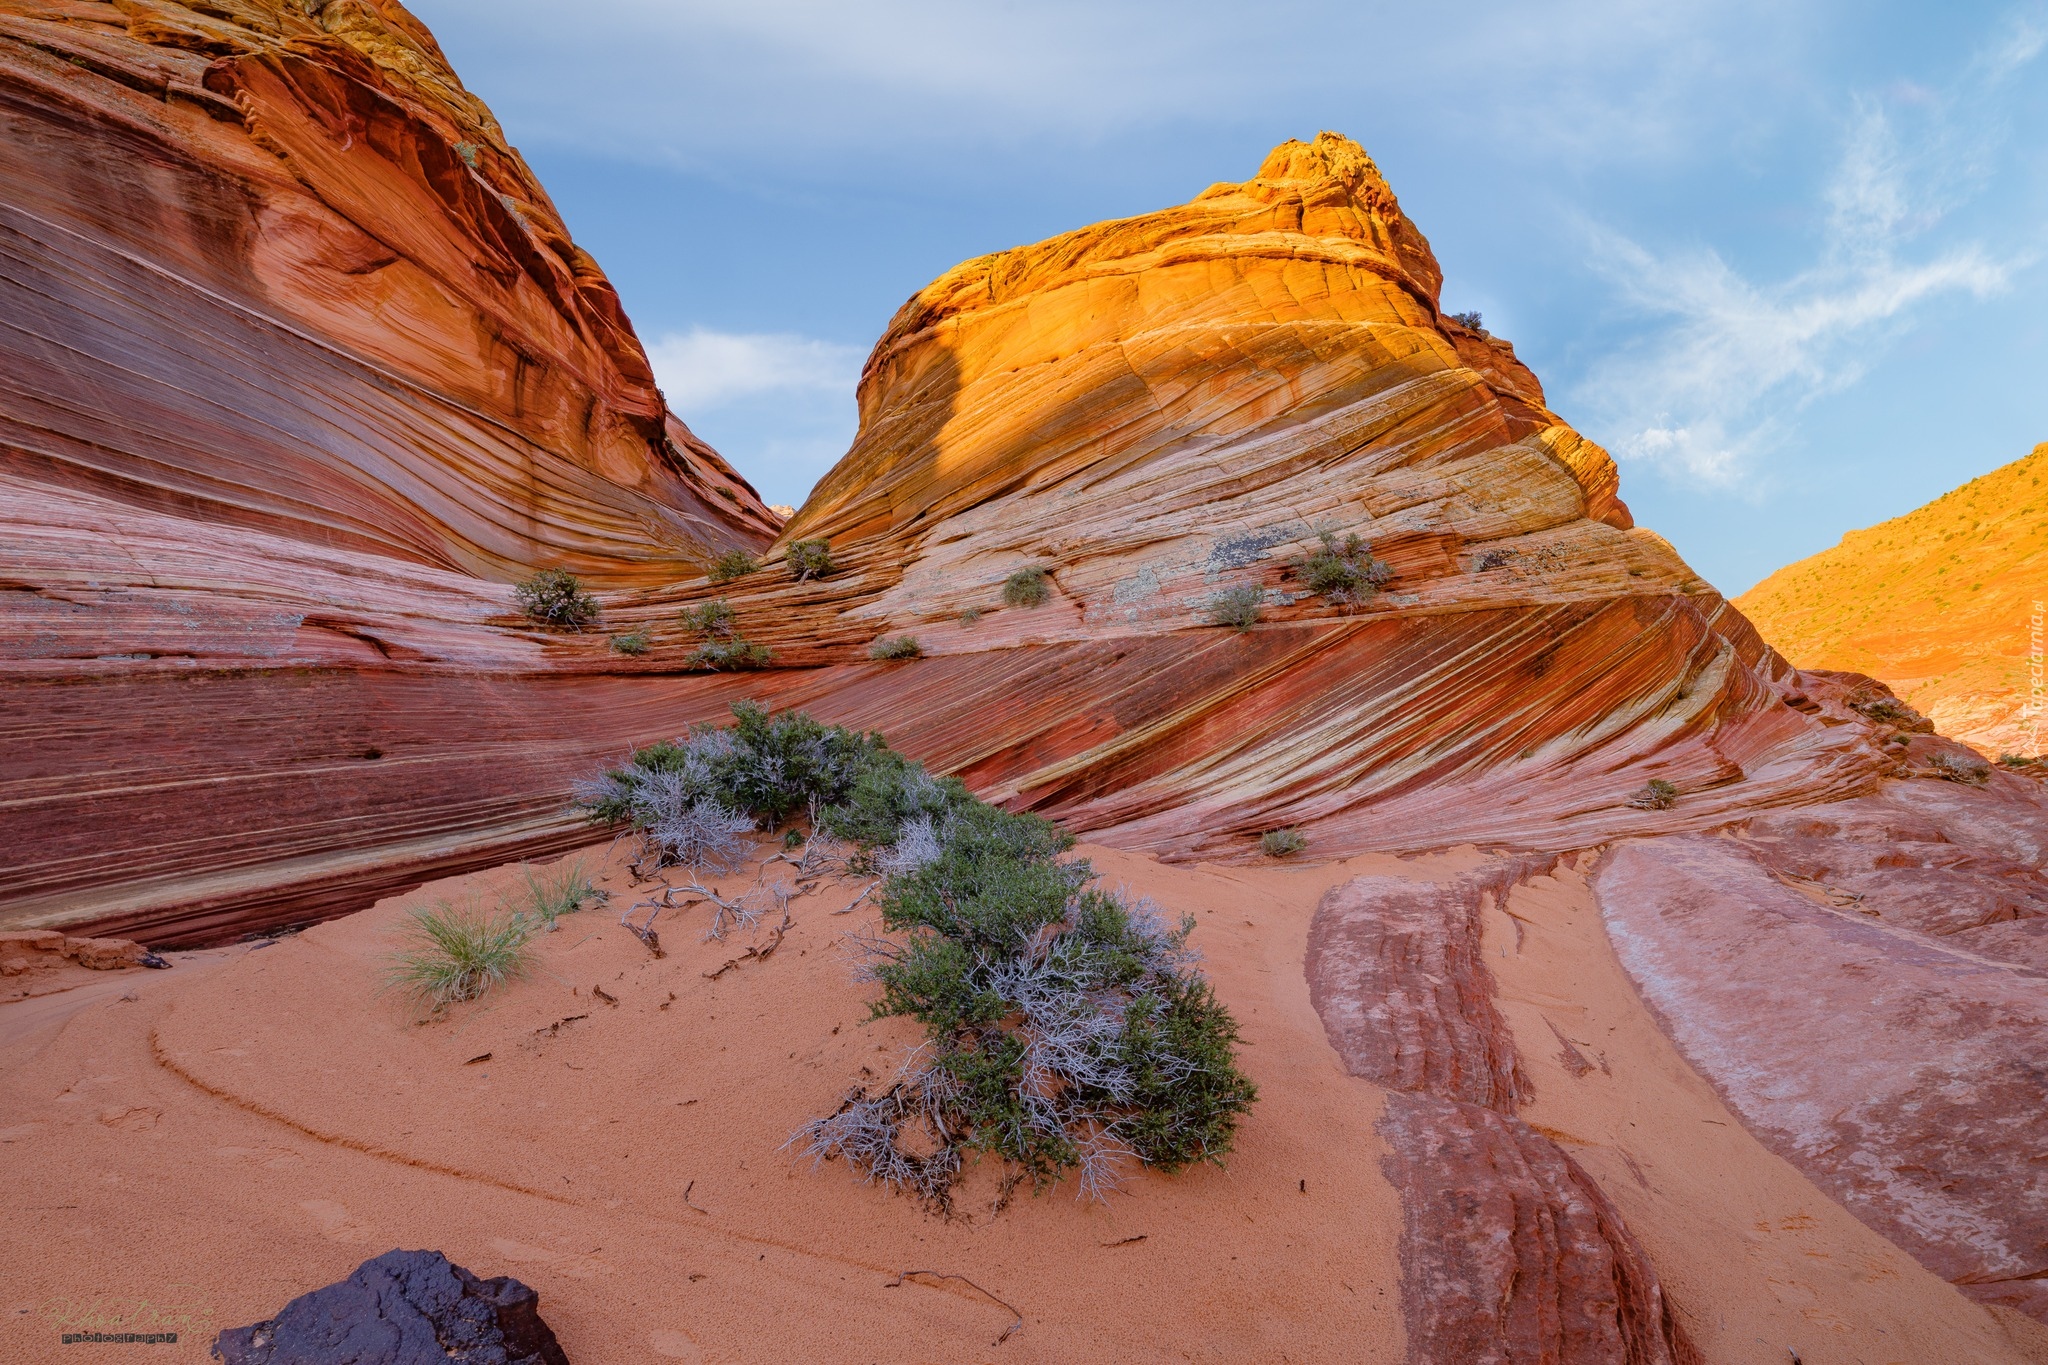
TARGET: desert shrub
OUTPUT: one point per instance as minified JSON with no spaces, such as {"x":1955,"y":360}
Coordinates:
{"x":1343,"y":571}
{"x":1967,"y":769}
{"x":1239,"y":607}
{"x":902,"y":647}
{"x":555,"y":597}
{"x":970,"y":616}
{"x":762,"y":766}
{"x":733,"y":564}
{"x":563,"y":891}
{"x":1067,"y":1028}
{"x":1279,"y":843}
{"x":1657,"y":794}
{"x":715,"y":617}
{"x":633,"y":643}
{"x":1890,"y":711}
{"x":1026,"y":588}
{"x":1067,"y":1031}
{"x":457,"y":953}
{"x":1493,"y":559}
{"x":729,"y":656}
{"x":810,"y":559}
{"x":1471,"y":320}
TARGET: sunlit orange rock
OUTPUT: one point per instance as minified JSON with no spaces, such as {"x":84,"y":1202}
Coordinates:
{"x":1945,"y":603}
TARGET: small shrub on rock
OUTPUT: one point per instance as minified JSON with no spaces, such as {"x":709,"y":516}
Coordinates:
{"x":1280,"y":843}
{"x":1027,"y":588}
{"x":555,"y":597}
{"x":810,"y":559}
{"x":733,"y":564}
{"x":1343,"y":571}
{"x":715,"y":618}
{"x":1471,"y":320}
{"x":729,"y":656}
{"x":1892,"y":711}
{"x":1657,"y":794}
{"x":632,"y":643}
{"x":457,"y":953}
{"x":1238,"y":608}
{"x":902,"y":647}
{"x":1967,"y":769}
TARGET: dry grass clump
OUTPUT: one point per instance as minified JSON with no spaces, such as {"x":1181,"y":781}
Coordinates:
{"x":1967,"y":769}
{"x":902,"y":647}
{"x":1238,"y":608}
{"x":1281,"y":843}
{"x":560,"y":891}
{"x":1027,"y":588}
{"x":456,"y":953}
{"x":555,"y":597}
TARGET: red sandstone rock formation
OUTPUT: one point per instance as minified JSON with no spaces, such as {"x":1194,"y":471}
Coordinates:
{"x":269,"y":266}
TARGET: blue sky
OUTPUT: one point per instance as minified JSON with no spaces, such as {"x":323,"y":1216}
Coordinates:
{"x":1788,"y":261}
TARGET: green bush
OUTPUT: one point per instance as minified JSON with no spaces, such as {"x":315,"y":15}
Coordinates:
{"x":902,"y":647}
{"x":810,"y":559}
{"x":1342,"y":571}
{"x":458,"y":953}
{"x":1067,"y":1029}
{"x":733,"y":564}
{"x":1238,"y":608}
{"x":555,"y":597}
{"x":1279,"y":843}
{"x":1026,"y":588}
{"x":633,"y":642}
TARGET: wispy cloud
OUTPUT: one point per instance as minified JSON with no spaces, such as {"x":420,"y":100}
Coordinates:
{"x":700,"y":369}
{"x":1718,"y":382}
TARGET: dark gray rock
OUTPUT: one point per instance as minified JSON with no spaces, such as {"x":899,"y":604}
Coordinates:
{"x":402,"y":1308}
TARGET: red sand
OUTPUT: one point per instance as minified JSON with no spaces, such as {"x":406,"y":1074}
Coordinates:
{"x":194,"y":1148}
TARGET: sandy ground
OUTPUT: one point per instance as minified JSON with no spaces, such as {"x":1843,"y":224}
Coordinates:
{"x":187,"y":1150}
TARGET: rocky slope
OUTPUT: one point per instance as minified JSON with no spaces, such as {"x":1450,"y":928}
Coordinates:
{"x":1941,"y":603}
{"x":303,"y":369}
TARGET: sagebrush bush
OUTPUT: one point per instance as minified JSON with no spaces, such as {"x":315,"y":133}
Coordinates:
{"x":810,"y":559}
{"x":1342,"y":571}
{"x":724,"y":648}
{"x":1279,"y":843}
{"x":457,"y":953}
{"x":632,"y":642}
{"x":1026,"y":588}
{"x":1657,"y":794}
{"x":733,"y":564}
{"x":1890,"y":711}
{"x":1067,"y":1030}
{"x":555,"y":597}
{"x":902,"y":647}
{"x":1238,"y":608}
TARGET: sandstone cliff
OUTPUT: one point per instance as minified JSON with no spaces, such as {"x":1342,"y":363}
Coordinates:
{"x":268,"y":265}
{"x":1942,"y":603}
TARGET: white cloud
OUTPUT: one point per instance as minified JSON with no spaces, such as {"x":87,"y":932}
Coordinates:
{"x":1720,"y":383}
{"x":700,"y":370}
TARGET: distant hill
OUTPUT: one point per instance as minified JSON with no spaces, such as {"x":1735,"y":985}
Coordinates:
{"x":1937,"y":603}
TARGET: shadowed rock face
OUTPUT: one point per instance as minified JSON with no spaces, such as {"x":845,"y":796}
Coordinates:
{"x":268,"y":265}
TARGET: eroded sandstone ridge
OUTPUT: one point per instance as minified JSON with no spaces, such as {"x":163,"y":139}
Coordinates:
{"x":1943,"y":603}
{"x":269,"y":266}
